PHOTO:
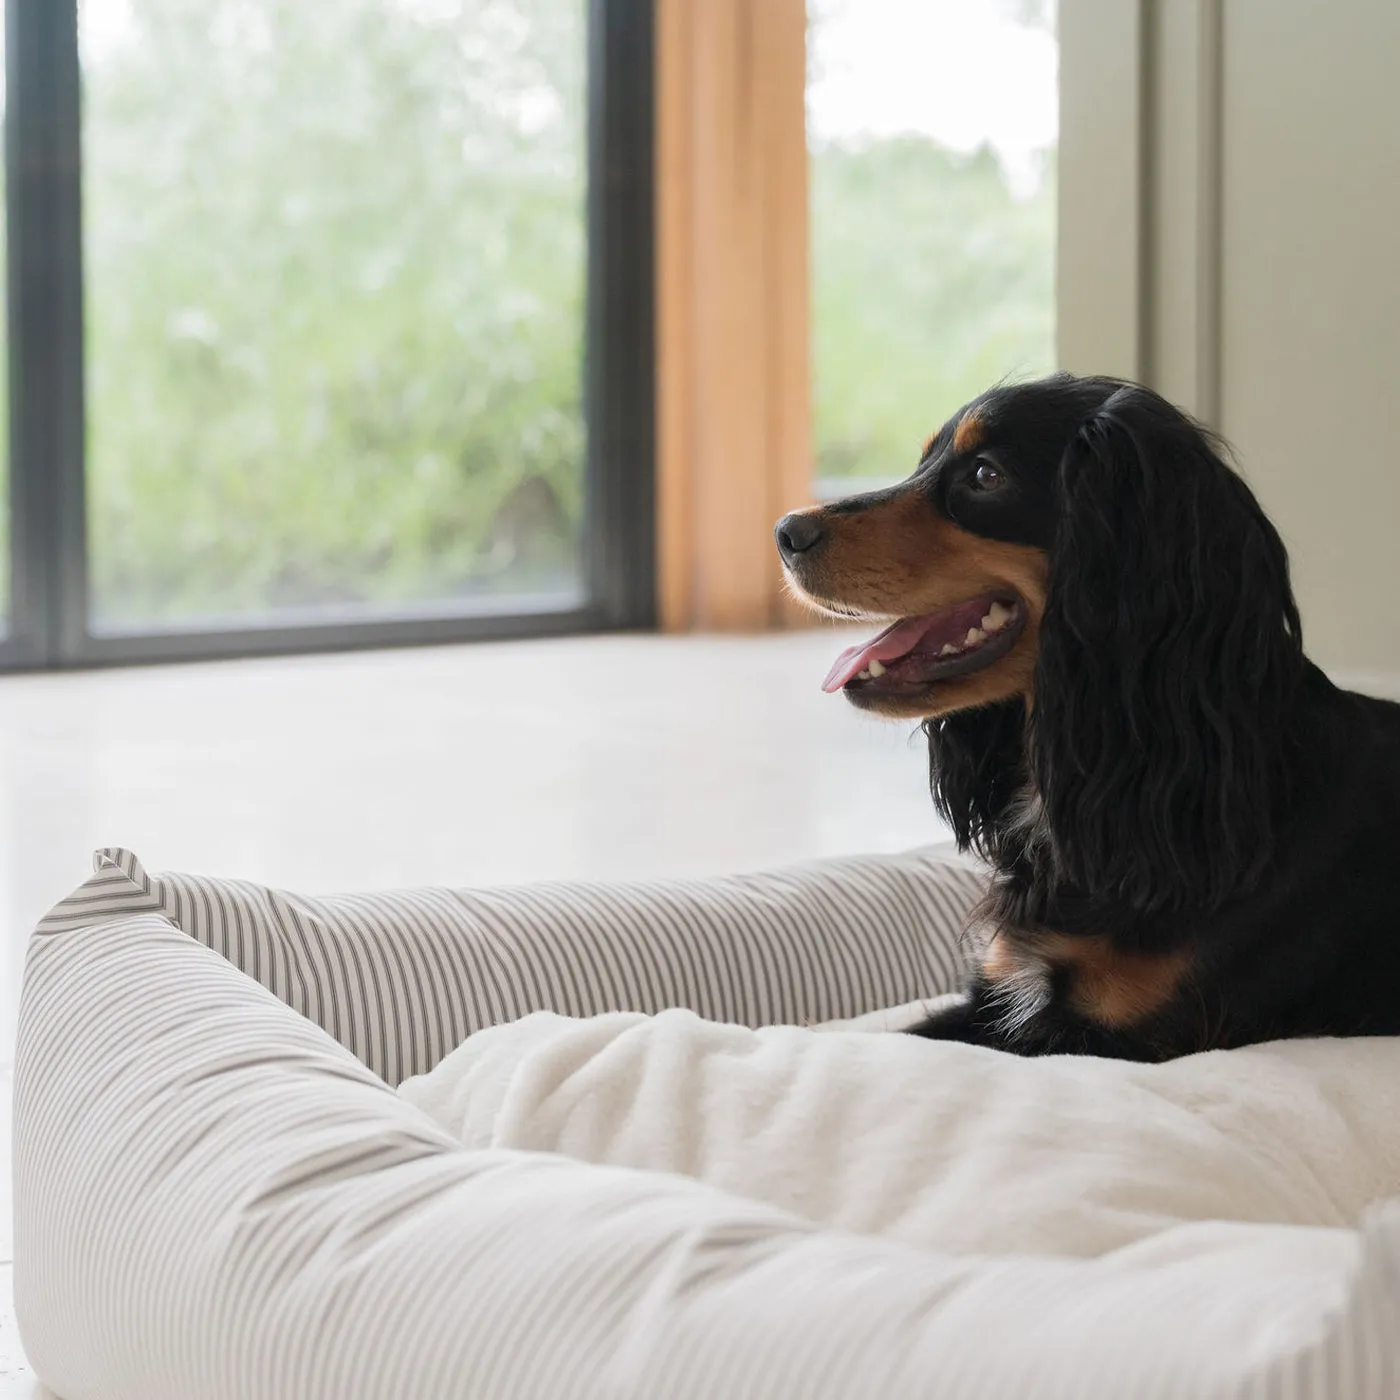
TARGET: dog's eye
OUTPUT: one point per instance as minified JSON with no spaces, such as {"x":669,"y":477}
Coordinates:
{"x":987,"y":477}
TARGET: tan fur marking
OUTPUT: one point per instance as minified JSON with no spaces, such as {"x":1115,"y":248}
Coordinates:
{"x":1001,"y":959}
{"x":970,"y":431}
{"x":1108,"y":986}
{"x":1113,"y":987}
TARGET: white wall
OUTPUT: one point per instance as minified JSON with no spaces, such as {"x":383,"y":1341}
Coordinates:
{"x":1264,"y":252}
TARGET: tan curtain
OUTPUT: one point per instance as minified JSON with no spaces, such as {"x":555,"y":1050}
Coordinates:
{"x":732,"y":294}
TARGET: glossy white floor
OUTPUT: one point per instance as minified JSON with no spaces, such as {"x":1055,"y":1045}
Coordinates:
{"x":619,"y":756}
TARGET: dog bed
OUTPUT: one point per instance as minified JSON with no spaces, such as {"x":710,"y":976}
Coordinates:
{"x":220,"y":1192}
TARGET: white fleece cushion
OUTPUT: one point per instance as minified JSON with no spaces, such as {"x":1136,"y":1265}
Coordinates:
{"x":939,"y":1145}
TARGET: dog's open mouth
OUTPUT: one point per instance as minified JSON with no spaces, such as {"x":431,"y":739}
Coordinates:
{"x":915,"y":652}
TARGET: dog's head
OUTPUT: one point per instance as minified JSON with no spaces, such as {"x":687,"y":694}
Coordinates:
{"x":1079,"y":548}
{"x":956,"y":559}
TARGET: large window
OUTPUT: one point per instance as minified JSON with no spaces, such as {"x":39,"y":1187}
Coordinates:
{"x":932,"y":133}
{"x":353,"y":331}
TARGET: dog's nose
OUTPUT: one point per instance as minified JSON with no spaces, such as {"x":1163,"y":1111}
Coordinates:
{"x":797,"y":533}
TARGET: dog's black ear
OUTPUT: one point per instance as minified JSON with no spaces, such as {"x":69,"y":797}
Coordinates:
{"x":1169,"y":666}
{"x":976,"y":770}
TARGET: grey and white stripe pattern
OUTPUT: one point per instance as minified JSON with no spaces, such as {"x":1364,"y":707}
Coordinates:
{"x":216,"y":1201}
{"x":400,"y":979}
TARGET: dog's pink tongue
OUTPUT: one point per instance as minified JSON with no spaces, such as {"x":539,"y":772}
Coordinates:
{"x":896,"y":640}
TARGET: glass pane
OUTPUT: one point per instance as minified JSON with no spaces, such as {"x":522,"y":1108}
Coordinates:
{"x":932,"y":127}
{"x":335,"y":272}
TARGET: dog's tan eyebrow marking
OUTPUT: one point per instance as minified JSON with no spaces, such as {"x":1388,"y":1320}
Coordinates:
{"x":971,"y":429}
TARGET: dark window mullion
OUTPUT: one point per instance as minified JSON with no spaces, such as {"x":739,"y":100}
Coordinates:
{"x":619,"y":360}
{"x":45,"y":330}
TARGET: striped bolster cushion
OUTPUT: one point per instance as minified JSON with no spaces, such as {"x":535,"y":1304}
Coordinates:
{"x":401,"y":978}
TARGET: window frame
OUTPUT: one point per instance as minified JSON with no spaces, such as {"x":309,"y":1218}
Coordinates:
{"x":49,"y":614}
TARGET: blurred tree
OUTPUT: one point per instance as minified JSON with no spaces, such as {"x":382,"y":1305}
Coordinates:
{"x":930,"y":282}
{"x":1034,"y":14}
{"x":335,"y":272}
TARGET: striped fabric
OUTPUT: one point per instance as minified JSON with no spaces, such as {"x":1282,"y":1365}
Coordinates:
{"x":215,"y":1200}
{"x":400,"y":979}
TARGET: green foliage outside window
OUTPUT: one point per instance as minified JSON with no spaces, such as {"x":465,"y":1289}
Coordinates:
{"x":335,"y":276}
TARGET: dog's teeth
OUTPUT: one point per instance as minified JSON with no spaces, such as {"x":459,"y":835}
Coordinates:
{"x":974,"y":635}
{"x":997,"y":617}
{"x":875,"y":669}
{"x":948,"y":649}
{"x":862,"y":675}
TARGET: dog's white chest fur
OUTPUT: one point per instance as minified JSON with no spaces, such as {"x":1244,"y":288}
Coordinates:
{"x":1017,"y":992}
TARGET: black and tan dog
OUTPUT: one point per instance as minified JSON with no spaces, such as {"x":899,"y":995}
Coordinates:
{"x":1195,"y":836}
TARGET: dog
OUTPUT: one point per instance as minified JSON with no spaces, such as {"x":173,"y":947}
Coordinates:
{"x":1194,"y":836}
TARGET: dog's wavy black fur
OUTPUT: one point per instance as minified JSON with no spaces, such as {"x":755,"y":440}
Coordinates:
{"x":1180,"y":788}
